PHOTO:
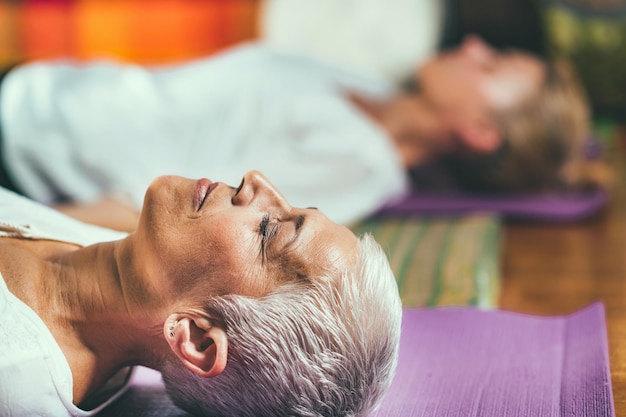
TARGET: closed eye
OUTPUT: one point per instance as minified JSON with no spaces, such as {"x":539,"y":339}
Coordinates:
{"x":267,"y":231}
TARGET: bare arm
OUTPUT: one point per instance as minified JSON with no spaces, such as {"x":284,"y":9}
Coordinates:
{"x":107,"y":212}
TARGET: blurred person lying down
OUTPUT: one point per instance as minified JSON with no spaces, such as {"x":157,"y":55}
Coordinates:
{"x":92,"y":135}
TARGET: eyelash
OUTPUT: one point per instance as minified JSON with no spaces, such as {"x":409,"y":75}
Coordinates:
{"x":266,"y":230}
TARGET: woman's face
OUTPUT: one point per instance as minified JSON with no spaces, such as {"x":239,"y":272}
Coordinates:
{"x":477,"y":78}
{"x":201,"y":236}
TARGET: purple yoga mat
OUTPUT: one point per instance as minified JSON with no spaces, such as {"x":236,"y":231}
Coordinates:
{"x":462,"y":362}
{"x":564,"y":206}
{"x":441,"y":198}
{"x":465,"y":362}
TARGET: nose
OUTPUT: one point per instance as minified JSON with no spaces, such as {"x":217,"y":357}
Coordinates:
{"x":256,"y":189}
{"x":474,"y":48}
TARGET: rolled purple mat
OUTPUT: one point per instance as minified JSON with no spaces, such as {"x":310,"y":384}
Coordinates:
{"x":556,"y":206}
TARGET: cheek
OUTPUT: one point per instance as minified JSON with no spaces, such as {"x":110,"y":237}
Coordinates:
{"x":450,"y":90}
{"x":500,"y":95}
{"x":227,"y":263}
{"x":217,"y":255}
{"x":506,"y":93}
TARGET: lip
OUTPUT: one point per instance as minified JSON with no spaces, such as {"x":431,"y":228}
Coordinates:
{"x":204,"y":187}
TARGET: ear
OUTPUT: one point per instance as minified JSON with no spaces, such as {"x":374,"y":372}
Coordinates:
{"x":200,"y":344}
{"x":479,"y":135}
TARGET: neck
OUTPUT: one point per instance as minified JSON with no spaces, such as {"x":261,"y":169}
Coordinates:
{"x":95,"y":317}
{"x":100,"y":298}
{"x":417,"y":130}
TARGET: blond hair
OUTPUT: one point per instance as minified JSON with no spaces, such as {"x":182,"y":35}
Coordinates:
{"x":543,"y":146}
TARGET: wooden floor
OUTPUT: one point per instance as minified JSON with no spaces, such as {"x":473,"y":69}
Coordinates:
{"x":558,"y":269}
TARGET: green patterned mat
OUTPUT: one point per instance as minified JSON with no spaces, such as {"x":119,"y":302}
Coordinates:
{"x":442,"y":261}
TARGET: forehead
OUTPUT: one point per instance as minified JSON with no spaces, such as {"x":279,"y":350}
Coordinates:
{"x":520,"y":63}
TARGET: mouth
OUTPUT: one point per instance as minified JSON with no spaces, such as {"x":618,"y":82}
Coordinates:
{"x":204,"y":187}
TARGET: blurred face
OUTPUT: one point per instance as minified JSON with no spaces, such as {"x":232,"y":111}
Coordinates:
{"x":475,"y":78}
{"x":203,"y":236}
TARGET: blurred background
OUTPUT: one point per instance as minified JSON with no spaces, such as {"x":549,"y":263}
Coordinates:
{"x":534,"y":267}
{"x":590,"y":32}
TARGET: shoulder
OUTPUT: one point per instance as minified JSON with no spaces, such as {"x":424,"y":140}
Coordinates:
{"x":24,"y":218}
{"x":29,"y":353}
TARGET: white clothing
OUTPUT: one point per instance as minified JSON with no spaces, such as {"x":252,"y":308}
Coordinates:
{"x":387,"y":39}
{"x":35,"y":377}
{"x":106,"y":128}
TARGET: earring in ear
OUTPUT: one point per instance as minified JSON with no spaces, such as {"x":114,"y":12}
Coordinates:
{"x":172,"y":328}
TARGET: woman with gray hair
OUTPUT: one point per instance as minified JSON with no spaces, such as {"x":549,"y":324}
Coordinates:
{"x":247,"y":305}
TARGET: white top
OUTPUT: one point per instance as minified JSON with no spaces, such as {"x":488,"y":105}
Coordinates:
{"x":387,"y":39}
{"x":35,"y":377}
{"x":107,"y":128}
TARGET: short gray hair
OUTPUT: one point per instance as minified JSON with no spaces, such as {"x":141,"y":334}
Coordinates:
{"x":316,"y":347}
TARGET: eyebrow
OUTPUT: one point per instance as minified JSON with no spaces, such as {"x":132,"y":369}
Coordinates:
{"x":299,"y":222}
